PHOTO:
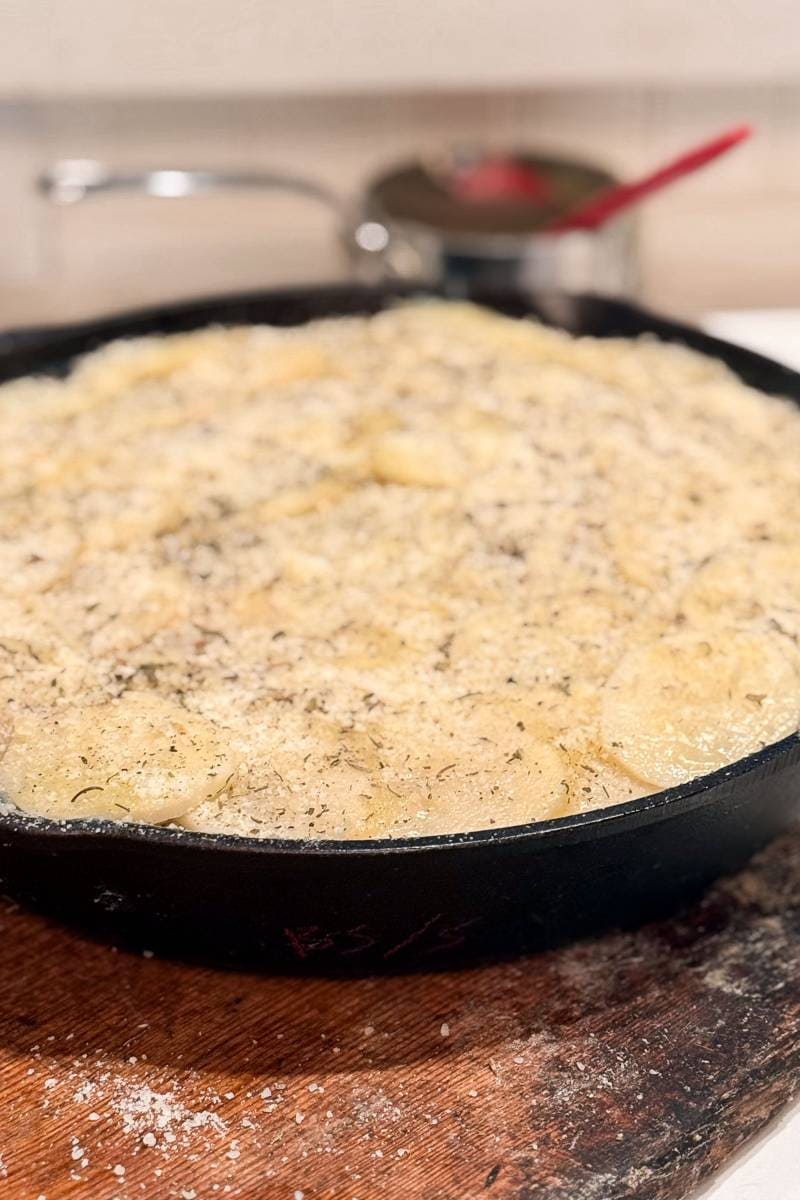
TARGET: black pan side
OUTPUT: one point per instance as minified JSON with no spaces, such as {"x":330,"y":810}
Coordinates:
{"x":365,"y":905}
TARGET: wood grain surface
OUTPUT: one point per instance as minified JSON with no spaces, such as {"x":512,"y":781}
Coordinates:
{"x":631,"y":1066}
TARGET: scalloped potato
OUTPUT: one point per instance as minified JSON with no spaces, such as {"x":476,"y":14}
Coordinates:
{"x":423,"y":572}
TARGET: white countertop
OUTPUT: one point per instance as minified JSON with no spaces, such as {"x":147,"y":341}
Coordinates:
{"x":768,"y":1169}
{"x":771,"y":331}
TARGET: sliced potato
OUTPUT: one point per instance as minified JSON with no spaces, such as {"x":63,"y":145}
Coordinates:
{"x":306,"y":776}
{"x":292,"y":362}
{"x":128,"y":363}
{"x":145,"y":514}
{"x":468,"y":325}
{"x":36,"y":559}
{"x":299,"y":501}
{"x":757,"y":580}
{"x":368,"y":645}
{"x":682,"y":706}
{"x":26,"y":636}
{"x":416,"y":459}
{"x":6,"y":731}
{"x":141,"y":758}
{"x":483,"y":763}
{"x":594,"y":780}
{"x":254,"y":606}
{"x":491,"y":788}
{"x":124,"y":603}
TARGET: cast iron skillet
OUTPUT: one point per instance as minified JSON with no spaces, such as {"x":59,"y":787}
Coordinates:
{"x":390,"y":904}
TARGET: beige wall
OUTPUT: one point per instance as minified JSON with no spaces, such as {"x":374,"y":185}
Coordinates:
{"x":140,"y":47}
{"x":730,"y":237}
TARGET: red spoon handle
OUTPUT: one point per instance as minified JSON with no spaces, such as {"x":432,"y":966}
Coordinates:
{"x":607,"y":204}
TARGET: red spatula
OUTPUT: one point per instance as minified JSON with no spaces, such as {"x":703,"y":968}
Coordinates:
{"x":593,"y":213}
{"x":499,"y":177}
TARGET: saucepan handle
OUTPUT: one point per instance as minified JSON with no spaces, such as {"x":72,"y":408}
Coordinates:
{"x":71,"y":180}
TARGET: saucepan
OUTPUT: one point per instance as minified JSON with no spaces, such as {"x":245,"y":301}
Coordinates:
{"x":412,"y":223}
{"x":391,"y":904}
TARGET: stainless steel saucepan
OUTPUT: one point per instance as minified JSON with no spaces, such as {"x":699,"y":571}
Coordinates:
{"x":411,"y":224}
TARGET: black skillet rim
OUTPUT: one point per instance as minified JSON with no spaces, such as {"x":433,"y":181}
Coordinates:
{"x":44,"y":343}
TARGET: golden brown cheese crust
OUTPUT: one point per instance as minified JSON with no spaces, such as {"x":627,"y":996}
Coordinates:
{"x":429,"y":571}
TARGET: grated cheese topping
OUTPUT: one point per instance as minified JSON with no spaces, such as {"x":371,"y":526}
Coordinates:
{"x":429,"y":571}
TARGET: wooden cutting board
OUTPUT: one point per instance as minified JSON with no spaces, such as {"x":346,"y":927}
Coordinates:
{"x":628,"y":1067}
